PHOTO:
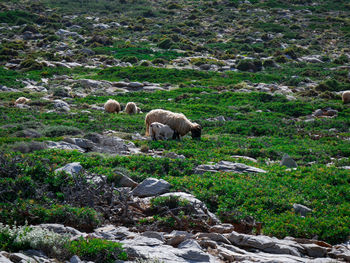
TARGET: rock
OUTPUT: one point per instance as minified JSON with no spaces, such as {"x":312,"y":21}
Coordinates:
{"x":192,"y":251}
{"x":111,"y":232}
{"x":245,"y":158}
{"x":301,"y":209}
{"x":143,"y":241}
{"x":331,"y":113}
{"x":19,"y":257}
{"x":135,"y":85}
{"x":213,"y":236}
{"x":64,"y":146}
{"x":101,"y":26}
{"x":4,"y":259}
{"x":75,"y":259}
{"x":82,"y":143}
{"x":61,"y":105}
{"x":151,"y":187}
{"x":317,"y":113}
{"x":205,"y":66}
{"x":176,"y":240}
{"x":225,"y":166}
{"x":87,"y":51}
{"x":340,"y":252}
{"x":288,"y":161}
{"x":6,"y":89}
{"x":71,"y":168}
{"x":266,"y":244}
{"x":61,"y":229}
{"x":219,"y":118}
{"x":223,"y":228}
{"x":153,"y":234}
{"x":126,"y":181}
{"x":65,"y":33}
{"x":315,"y":251}
{"x":173,"y":155}
{"x":92,"y":84}
{"x":200,"y":208}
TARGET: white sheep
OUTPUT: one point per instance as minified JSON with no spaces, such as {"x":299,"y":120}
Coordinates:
{"x":112,"y":106}
{"x":22,"y":100}
{"x":176,"y":121}
{"x":160,"y":131}
{"x":346,"y":96}
{"x":131,"y":108}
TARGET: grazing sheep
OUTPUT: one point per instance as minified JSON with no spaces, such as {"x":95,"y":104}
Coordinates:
{"x":346,"y":96}
{"x":160,"y":131}
{"x":176,"y":121}
{"x":22,"y":100}
{"x":131,"y":108}
{"x":112,"y":106}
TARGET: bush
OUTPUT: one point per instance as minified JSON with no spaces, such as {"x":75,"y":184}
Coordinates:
{"x":60,"y":130}
{"x":169,"y":201}
{"x":27,"y":147}
{"x":97,"y":250}
{"x":165,"y":43}
{"x":130,"y":59}
{"x":249,"y":65}
{"x":30,"y":64}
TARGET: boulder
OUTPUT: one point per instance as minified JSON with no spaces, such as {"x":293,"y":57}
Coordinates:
{"x":71,"y":168}
{"x":301,"y":209}
{"x":126,"y":181}
{"x":288,"y":161}
{"x":151,"y":187}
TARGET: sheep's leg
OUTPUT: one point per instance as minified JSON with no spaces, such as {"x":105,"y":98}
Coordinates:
{"x":176,"y":136}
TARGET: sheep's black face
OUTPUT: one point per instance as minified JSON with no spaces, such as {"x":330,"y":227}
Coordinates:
{"x":196,"y":132}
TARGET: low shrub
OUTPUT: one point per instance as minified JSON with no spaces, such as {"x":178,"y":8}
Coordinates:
{"x":60,"y":130}
{"x":97,"y":250}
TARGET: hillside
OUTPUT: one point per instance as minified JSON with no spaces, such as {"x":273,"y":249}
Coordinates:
{"x":268,"y":181}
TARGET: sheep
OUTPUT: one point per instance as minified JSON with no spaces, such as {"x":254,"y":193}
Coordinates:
{"x":160,"y":131}
{"x":346,"y":96}
{"x":131,"y":108}
{"x":112,"y":106}
{"x":176,"y":121}
{"x":22,"y":100}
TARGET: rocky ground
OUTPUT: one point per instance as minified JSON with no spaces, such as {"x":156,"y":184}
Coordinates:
{"x":263,"y":78}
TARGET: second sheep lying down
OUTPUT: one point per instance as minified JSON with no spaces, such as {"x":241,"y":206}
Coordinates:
{"x":160,"y":131}
{"x":176,"y":121}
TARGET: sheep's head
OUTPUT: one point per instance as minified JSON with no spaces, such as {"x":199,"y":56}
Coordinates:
{"x":196,"y":131}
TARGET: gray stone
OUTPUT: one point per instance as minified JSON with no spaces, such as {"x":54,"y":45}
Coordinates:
{"x":71,"y":168}
{"x":151,"y":187}
{"x":301,"y":209}
{"x":60,"y":104}
{"x":126,"y":181}
{"x":143,"y":241}
{"x":19,"y":257}
{"x":225,"y":166}
{"x":3,"y":258}
{"x":317,"y":113}
{"x":192,"y":251}
{"x":153,"y":234}
{"x":75,"y":259}
{"x":61,"y":229}
{"x":266,"y":244}
{"x":213,"y":236}
{"x":173,"y":155}
{"x":205,"y":66}
{"x":135,"y":85}
{"x":315,"y":251}
{"x":64,"y":146}
{"x":245,"y":158}
{"x":288,"y":161}
{"x":82,"y":143}
{"x":222,"y":228}
{"x":113,"y":233}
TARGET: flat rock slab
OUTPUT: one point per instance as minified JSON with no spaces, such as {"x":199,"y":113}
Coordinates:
{"x":71,"y":168}
{"x":225,"y":166}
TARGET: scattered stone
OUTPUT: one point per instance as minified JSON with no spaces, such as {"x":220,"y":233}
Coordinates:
{"x":223,"y":228}
{"x":126,"y":181}
{"x":75,"y":259}
{"x":245,"y":158}
{"x":225,"y":166}
{"x":71,"y":168}
{"x":173,"y":155}
{"x":151,"y":187}
{"x":301,"y":209}
{"x":288,"y":161}
{"x":63,"y":146}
